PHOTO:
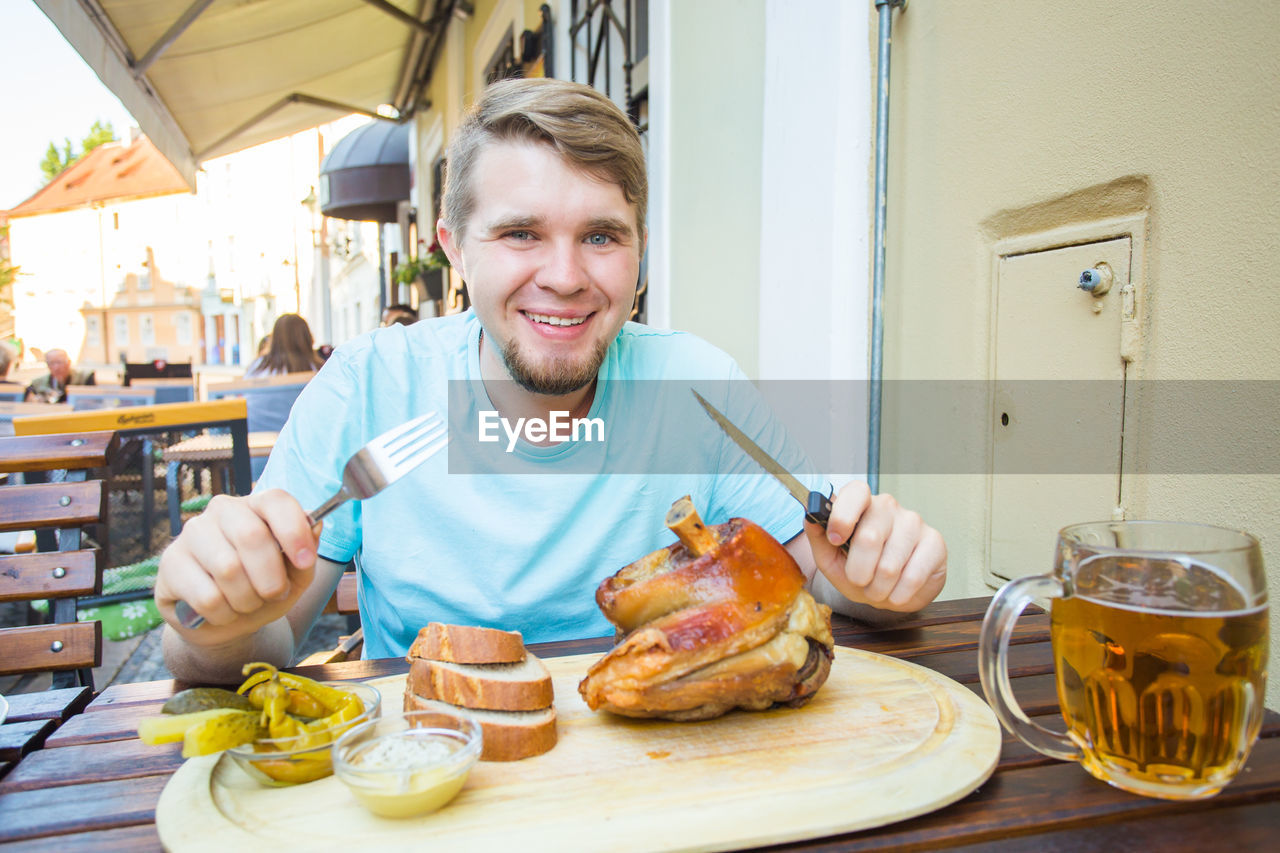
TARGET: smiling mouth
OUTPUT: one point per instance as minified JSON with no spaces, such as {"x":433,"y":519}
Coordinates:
{"x":554,"y":321}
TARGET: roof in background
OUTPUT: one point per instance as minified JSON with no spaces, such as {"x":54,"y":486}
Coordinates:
{"x":111,"y":171}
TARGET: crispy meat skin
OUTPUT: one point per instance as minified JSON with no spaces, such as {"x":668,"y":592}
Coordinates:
{"x":732,"y":628}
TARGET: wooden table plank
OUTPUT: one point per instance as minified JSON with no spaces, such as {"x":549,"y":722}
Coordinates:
{"x":142,"y":693}
{"x":1024,"y":660}
{"x":908,"y":643}
{"x":114,"y":723}
{"x":1054,"y":797}
{"x":47,"y":704}
{"x":71,"y":766}
{"x":1255,"y":826}
{"x":17,"y":739}
{"x":79,"y":808}
{"x":128,"y":839}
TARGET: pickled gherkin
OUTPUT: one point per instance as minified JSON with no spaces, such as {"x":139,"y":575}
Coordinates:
{"x":222,"y":731}
{"x":205,"y":699}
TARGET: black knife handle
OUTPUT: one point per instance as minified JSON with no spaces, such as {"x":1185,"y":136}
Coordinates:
{"x":818,"y":510}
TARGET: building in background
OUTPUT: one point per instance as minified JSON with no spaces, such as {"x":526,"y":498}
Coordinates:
{"x":120,"y":261}
{"x":105,"y":220}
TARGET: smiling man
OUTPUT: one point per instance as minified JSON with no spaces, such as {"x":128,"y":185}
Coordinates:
{"x":543,"y":218}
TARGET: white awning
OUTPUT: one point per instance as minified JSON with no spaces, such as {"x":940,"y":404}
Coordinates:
{"x":208,"y":77}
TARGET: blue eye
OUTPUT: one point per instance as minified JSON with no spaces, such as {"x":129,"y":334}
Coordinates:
{"x":599,"y":239}
{"x":520,"y":235}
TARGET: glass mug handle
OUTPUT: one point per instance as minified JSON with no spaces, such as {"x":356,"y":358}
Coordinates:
{"x":993,"y":664}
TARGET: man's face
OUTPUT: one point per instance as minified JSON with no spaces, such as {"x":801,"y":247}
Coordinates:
{"x":550,"y":256}
{"x":59,"y":365}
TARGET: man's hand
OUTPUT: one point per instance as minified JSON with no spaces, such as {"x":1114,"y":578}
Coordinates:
{"x":895,"y":560}
{"x":230,"y":565}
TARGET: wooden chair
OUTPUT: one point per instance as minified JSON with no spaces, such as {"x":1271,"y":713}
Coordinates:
{"x":269,"y":397}
{"x":169,"y":390}
{"x":92,"y":397}
{"x":64,"y":647}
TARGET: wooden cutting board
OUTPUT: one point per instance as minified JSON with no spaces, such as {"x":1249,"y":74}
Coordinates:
{"x":883,"y":740}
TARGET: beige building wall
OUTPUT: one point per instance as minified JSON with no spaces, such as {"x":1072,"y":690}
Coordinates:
{"x":1012,"y":119}
{"x":715,"y":128}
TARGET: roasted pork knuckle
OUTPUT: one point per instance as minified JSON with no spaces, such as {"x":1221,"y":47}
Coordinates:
{"x":719,"y":620}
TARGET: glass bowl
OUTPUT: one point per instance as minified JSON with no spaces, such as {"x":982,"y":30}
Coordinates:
{"x":305,"y":758}
{"x":409,"y":764}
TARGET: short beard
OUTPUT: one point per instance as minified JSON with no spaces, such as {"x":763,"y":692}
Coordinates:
{"x":559,"y":377}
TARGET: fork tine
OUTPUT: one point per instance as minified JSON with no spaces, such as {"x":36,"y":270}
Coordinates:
{"x":425,"y":444}
{"x":388,"y":438}
{"x":409,"y":442}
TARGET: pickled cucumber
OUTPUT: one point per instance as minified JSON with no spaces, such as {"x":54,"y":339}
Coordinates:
{"x":168,"y":728}
{"x":205,"y":699}
{"x":230,"y":728}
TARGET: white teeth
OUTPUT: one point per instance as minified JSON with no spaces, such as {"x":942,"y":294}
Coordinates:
{"x":556,"y":321}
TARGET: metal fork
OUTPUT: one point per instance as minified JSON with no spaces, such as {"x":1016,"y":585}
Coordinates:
{"x":375,"y":466}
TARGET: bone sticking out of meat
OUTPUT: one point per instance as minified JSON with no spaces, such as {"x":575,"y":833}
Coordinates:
{"x":685,"y":522}
{"x":716,"y":621}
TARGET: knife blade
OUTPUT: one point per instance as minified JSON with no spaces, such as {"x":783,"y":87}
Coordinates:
{"x":817,"y":506}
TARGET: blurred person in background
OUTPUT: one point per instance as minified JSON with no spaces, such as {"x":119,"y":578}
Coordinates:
{"x":290,"y":349}
{"x":405,"y":315}
{"x":52,"y":387}
{"x":8,"y":358}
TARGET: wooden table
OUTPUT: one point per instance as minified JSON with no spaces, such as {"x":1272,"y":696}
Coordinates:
{"x":93,"y":786}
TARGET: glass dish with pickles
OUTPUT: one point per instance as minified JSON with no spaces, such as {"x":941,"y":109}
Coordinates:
{"x":278,"y":727}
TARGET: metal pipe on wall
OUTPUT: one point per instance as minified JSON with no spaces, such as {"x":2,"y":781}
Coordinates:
{"x":885,"y":10}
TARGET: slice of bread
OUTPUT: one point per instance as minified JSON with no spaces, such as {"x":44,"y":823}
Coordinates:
{"x":467,"y":644}
{"x":508,"y":735}
{"x":524,"y":686}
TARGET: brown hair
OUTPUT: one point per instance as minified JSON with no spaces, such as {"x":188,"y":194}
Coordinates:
{"x":292,"y":348}
{"x":582,"y":125}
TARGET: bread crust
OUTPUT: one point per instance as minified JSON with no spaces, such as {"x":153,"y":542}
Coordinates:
{"x":508,"y":735}
{"x":497,"y":687}
{"x":467,"y":644}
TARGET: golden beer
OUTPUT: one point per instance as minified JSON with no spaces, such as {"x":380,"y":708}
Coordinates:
{"x":1161,"y":672}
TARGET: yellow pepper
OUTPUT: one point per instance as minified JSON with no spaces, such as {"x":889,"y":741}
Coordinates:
{"x":280,"y":693}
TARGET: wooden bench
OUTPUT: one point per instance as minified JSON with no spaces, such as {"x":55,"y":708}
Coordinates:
{"x":65,"y":647}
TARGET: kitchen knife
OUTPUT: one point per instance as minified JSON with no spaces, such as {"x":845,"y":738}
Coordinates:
{"x":817,"y":506}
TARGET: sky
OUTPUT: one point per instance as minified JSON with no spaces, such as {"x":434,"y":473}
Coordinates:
{"x":47,"y":94}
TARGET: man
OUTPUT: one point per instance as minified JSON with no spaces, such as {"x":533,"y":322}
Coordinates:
{"x":52,"y":387}
{"x":405,"y":315}
{"x":543,"y":218}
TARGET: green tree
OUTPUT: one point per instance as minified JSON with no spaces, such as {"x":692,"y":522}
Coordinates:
{"x":99,"y":133}
{"x":56,"y":159}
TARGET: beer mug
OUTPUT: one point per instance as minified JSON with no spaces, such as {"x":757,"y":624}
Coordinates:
{"x":1159,"y":634}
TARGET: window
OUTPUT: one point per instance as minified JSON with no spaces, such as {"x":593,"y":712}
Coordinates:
{"x":93,"y":331}
{"x":147,"y":330}
{"x":182,"y":328}
{"x":122,"y":330}
{"x":503,"y":65}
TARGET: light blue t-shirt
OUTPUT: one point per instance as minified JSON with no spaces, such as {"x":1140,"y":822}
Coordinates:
{"x":515,"y":535}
